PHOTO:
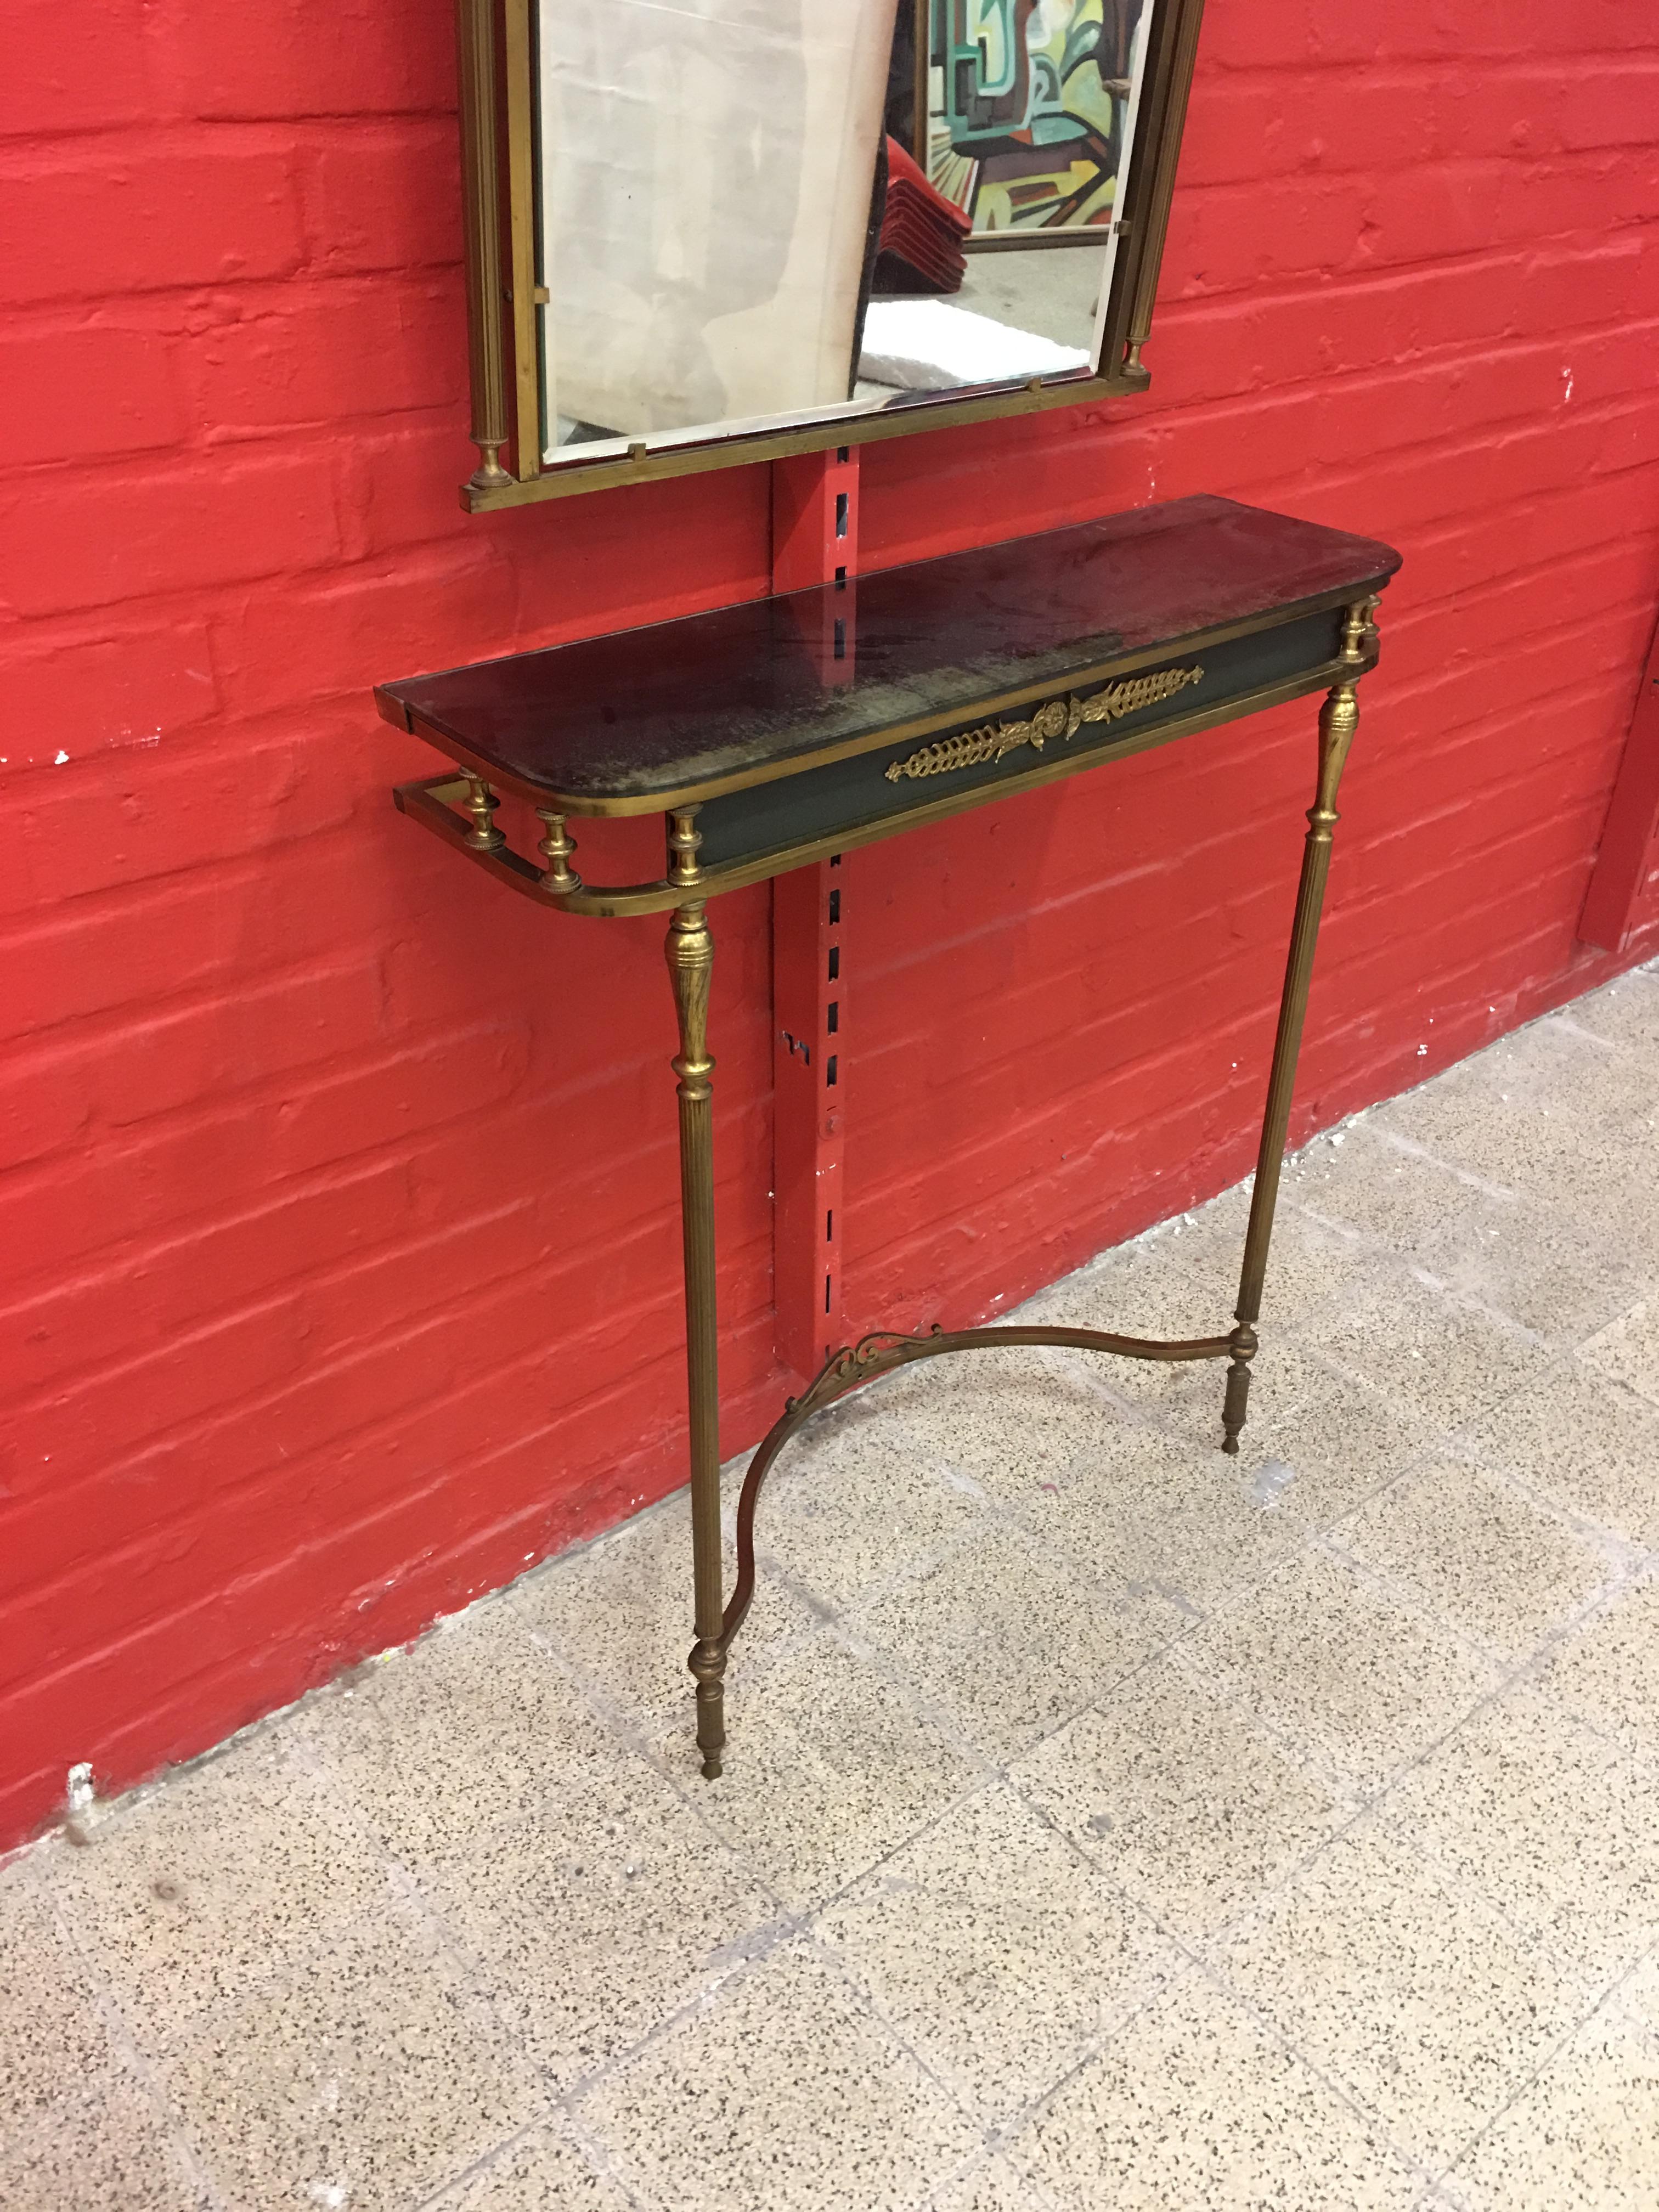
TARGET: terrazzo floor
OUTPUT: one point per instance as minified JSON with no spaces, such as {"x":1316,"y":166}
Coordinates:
{"x":1106,"y":1823}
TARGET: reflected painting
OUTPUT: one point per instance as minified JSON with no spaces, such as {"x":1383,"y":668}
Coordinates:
{"x":1029,"y":109}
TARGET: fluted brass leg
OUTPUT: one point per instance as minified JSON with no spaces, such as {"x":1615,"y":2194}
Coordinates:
{"x":1339,"y":718}
{"x":690,"y":951}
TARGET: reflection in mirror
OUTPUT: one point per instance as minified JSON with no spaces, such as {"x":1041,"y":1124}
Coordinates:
{"x":758,"y":213}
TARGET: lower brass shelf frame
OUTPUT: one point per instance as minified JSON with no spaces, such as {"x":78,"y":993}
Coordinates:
{"x":690,"y":960}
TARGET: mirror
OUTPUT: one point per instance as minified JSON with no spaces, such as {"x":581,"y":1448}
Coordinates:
{"x":740,"y":227}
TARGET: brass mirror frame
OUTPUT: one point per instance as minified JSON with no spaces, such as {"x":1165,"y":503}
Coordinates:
{"x":495,"y":44}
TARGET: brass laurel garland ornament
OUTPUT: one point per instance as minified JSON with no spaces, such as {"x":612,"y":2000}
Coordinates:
{"x":1060,"y":718}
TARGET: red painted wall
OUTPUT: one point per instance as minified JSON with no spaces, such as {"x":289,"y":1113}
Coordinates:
{"x":340,"y":1260}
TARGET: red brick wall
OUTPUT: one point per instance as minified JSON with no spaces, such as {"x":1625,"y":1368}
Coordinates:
{"x":337,"y":1187}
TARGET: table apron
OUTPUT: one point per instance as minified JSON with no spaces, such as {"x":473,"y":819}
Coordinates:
{"x":887,"y":790}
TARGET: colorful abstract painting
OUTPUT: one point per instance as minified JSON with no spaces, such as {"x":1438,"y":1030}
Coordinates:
{"x":1030,"y":102}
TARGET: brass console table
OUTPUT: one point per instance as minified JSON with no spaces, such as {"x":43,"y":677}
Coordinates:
{"x":971,"y":677}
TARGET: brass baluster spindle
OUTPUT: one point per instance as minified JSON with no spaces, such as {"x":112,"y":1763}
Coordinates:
{"x":481,"y":805}
{"x":555,"y":848}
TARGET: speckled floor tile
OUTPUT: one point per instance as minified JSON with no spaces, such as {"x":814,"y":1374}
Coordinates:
{"x":1403,"y":1989}
{"x":377,"y":2071}
{"x":620,"y":1611}
{"x":1556,"y":1826}
{"x":1011,"y":1420}
{"x":1179,"y":1798}
{"x":1365,"y":1182}
{"x":1312,"y":1262}
{"x":110,"y":2151}
{"x":1607,"y":1669}
{"x":1176,"y":1515}
{"x":1582,"y":2137}
{"x":1526,"y":1112}
{"x":1622,"y":1013}
{"x":1004,"y":1645}
{"x":474,"y":1725}
{"x":843,"y":1508}
{"x":828,"y":1768}
{"x":1042,"y":1876}
{"x":1615,"y":1206}
{"x":1519,"y":1253}
{"x":997,"y":1951}
{"x":1542,"y":1266}
{"x":1139,"y":1291}
{"x":784,"y":2091}
{"x":194,"y":1896}
{"x":990,"y":2184}
{"x":1357,"y":1674}
{"x":596,"y":1916}
{"x":54,"y":2029}
{"x":1575,"y":1436}
{"x":1194,"y":2107}
{"x":544,"y":2170}
{"x":1327,"y":1440}
{"x":1419,"y":1344}
{"x":1478,"y":1551}
{"x":1627,"y":1350}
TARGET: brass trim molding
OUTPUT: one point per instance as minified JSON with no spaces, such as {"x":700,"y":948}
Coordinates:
{"x":432,"y":801}
{"x":1060,"y":718}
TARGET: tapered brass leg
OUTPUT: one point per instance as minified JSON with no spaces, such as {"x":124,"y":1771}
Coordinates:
{"x":1339,"y":718}
{"x":690,"y":951}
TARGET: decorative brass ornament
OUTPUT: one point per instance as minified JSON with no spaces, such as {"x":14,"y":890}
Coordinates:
{"x":1059,"y":718}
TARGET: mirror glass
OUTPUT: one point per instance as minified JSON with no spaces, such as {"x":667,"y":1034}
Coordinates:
{"x":760,"y":213}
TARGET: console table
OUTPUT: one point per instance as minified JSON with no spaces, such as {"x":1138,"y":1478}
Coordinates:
{"x":782,"y":731}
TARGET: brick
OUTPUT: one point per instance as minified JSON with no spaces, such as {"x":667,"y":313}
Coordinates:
{"x":146,"y":216}
{"x":384,"y":196}
{"x":85,"y":70}
{"x":155,"y":1182}
{"x":68,"y":690}
{"x":74,"y":395}
{"x":112,"y":1077}
{"x":292,"y":59}
{"x":144,"y":1295}
{"x":1299,"y":33}
{"x":176,"y":525}
{"x":218,"y":917}
{"x":94,"y":823}
{"x":400,"y":487}
{"x":363,"y":624}
{"x":322,"y":352}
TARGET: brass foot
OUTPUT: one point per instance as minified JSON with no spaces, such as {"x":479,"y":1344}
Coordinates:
{"x":707,"y":1664}
{"x":1237,"y":1399}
